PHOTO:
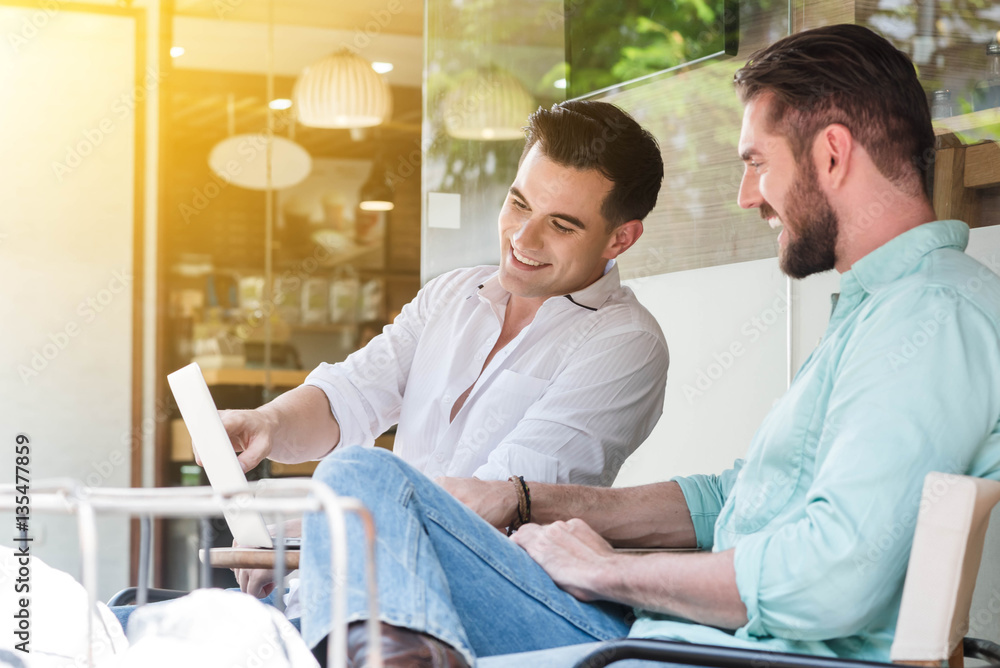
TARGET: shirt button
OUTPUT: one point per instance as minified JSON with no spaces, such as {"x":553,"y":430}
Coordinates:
{"x":439,"y":458}
{"x":479,"y":357}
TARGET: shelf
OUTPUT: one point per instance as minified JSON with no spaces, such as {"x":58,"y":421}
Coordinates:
{"x":279,"y":377}
{"x":326,"y":328}
{"x":303,"y":469}
{"x":968,"y":123}
{"x":982,"y":166}
{"x":247,"y":557}
{"x":337,"y":255}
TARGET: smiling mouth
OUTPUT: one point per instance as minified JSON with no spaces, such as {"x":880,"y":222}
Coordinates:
{"x":527,"y":261}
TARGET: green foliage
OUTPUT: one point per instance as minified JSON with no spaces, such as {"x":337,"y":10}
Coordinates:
{"x":627,"y":39}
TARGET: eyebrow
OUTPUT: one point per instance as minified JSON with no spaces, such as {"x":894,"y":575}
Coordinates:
{"x":748,"y":154}
{"x":573,"y":220}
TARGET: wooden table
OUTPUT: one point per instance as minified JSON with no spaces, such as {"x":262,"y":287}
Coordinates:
{"x":248,"y":557}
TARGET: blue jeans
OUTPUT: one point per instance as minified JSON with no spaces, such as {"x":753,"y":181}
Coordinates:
{"x":442,"y":570}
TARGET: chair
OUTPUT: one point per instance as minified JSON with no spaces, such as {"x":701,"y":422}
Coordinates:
{"x":934,"y":610}
{"x":130,"y":596}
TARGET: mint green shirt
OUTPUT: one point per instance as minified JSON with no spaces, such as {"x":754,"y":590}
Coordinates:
{"x":906,"y":380}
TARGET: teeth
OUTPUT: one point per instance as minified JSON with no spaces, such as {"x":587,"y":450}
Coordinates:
{"x":530,"y":263}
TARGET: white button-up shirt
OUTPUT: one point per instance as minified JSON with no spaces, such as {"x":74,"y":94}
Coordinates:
{"x":567,"y":400}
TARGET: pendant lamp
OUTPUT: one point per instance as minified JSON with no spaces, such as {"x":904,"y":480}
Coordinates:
{"x":487,"y":104}
{"x":243,"y":159}
{"x":341,"y":91}
{"x":377,"y":192}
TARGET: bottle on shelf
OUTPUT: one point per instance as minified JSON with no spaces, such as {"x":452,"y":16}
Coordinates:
{"x":987,"y":92}
{"x":315,"y":301}
{"x":941,"y":106}
{"x":345,"y":291}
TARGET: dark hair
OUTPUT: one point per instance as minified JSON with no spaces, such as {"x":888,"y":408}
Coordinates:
{"x":849,"y":75}
{"x":585,"y":134}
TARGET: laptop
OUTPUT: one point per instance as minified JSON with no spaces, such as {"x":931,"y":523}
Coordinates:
{"x":218,"y":456}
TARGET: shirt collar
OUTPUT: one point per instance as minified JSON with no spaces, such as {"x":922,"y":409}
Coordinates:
{"x":591,"y":297}
{"x":897,"y":257}
{"x":594,"y":295}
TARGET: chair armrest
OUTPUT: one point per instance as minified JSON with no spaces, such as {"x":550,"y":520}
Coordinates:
{"x":127,"y":596}
{"x":944,"y":562}
{"x":984,"y":650}
{"x":670,"y":651}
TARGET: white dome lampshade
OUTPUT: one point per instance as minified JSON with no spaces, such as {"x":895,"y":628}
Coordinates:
{"x":341,"y":91}
{"x":488,"y":104}
{"x":242,"y":161}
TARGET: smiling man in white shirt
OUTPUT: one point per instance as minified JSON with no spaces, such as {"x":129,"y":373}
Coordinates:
{"x":545,"y":367}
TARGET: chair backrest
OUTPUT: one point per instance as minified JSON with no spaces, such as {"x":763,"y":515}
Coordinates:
{"x":944,"y":562}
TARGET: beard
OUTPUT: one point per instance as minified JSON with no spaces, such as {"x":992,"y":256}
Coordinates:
{"x":814,"y":247}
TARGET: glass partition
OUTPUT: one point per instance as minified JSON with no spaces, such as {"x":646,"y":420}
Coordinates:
{"x":955,"y":47}
{"x":261,"y":287}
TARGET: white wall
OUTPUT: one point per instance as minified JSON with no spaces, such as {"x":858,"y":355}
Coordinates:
{"x":66,"y":192}
{"x":725,"y":328}
{"x":984,"y":619}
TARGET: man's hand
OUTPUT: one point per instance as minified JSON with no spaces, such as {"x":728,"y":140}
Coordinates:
{"x":252,"y":433}
{"x":493,"y":500}
{"x":259,"y":582}
{"x":574,"y":555}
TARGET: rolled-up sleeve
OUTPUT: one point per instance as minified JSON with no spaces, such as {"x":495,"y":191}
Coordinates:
{"x":916,"y":393}
{"x":705,"y":495}
{"x":591,"y":417}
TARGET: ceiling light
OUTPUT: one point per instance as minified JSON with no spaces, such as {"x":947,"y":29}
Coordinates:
{"x":377,"y":193}
{"x":382,"y":68}
{"x":341,"y":91}
{"x":280,"y":103}
{"x":487,"y":104}
{"x":236,"y":160}
{"x":176,"y":51}
{"x":376,"y":205}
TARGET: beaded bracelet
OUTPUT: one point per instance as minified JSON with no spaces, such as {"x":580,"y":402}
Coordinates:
{"x":523,"y":504}
{"x":527,"y":499}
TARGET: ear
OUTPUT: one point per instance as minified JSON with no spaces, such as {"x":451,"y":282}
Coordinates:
{"x":622,"y":238}
{"x":832,"y":152}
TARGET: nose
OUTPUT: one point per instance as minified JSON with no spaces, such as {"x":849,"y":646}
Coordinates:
{"x":529,"y":234}
{"x":749,"y":195}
